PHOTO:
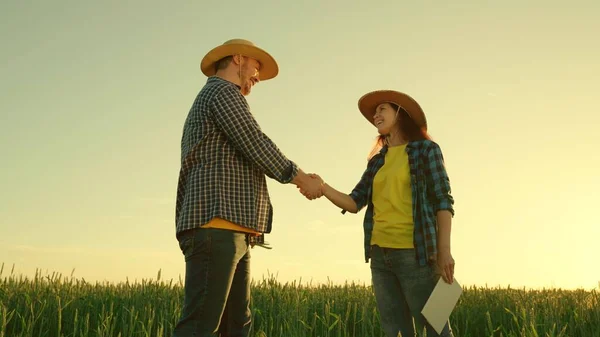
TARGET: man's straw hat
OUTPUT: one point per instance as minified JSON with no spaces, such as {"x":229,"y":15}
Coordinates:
{"x":268,"y":66}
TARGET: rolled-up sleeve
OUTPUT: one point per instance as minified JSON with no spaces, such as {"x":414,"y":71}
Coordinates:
{"x":438,"y":182}
{"x":360,"y":192}
{"x":231,"y":113}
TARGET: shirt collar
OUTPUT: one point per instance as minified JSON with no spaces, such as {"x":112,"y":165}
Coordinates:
{"x":214,"y":79}
{"x":409,"y":147}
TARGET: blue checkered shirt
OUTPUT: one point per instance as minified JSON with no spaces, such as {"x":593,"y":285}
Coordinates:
{"x":224,"y":159}
{"x":430,"y":187}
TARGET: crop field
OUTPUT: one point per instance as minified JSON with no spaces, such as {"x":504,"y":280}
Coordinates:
{"x":53,"y":305}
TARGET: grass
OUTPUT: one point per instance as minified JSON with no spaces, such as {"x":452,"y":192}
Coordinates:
{"x":53,"y":305}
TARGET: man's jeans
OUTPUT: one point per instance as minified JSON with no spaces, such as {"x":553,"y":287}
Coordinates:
{"x":402,"y":288}
{"x":217,"y":284}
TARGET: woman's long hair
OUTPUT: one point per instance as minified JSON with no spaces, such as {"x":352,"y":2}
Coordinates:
{"x":407,"y":127}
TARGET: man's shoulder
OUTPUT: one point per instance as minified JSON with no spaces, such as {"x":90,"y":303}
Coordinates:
{"x":216,"y":86}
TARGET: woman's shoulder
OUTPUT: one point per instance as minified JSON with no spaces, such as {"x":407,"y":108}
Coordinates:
{"x":424,"y":144}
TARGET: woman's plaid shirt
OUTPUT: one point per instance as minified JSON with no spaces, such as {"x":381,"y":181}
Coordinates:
{"x":224,"y":159}
{"x":430,"y":187}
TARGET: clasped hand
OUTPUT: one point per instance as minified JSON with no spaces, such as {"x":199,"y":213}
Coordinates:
{"x":313,"y":187}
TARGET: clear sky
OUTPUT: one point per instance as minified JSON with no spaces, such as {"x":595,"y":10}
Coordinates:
{"x":95,"y":94}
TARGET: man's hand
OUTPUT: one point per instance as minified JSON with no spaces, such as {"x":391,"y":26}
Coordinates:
{"x":310,"y":186}
{"x":316,"y":177}
{"x":312,"y":189}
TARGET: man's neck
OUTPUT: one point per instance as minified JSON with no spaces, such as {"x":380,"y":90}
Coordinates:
{"x":229,"y":77}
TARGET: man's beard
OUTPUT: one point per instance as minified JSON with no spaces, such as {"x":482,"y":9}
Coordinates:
{"x":246,"y":85}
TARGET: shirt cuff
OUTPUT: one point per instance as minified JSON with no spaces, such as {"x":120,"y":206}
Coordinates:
{"x":290,"y":173}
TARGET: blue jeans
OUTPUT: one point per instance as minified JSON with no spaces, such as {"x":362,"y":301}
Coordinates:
{"x":402,"y":288}
{"x":217,"y":284}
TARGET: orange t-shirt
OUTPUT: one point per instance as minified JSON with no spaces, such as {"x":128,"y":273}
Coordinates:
{"x":224,"y":224}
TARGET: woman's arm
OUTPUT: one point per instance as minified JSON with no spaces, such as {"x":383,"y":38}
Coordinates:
{"x":341,"y":200}
{"x":358,"y":198}
{"x":445,"y":259}
{"x":438,"y":183}
{"x":444,"y":221}
{"x":354,"y":201}
{"x":442,"y":201}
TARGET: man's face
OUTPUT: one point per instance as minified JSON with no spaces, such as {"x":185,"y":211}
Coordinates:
{"x":249,"y":74}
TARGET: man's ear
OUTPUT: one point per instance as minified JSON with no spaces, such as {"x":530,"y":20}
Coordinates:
{"x":238,"y":59}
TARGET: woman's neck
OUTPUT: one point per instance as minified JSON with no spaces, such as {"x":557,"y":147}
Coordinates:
{"x":395,"y":140}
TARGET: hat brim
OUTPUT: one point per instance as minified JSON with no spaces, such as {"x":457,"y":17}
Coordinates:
{"x":369,"y":102}
{"x":268,"y":66}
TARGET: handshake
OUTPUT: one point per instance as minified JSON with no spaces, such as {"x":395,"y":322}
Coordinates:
{"x":312,"y":187}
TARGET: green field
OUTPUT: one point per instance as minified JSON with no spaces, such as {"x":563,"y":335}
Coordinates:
{"x":54,"y":305}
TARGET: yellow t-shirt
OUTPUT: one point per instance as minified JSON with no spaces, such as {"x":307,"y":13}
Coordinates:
{"x":224,"y":224}
{"x":393,"y":223}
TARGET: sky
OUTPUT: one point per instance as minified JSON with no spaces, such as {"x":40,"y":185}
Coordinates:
{"x":95,"y":94}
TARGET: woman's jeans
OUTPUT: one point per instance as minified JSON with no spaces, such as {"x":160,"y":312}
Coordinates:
{"x":402,"y":288}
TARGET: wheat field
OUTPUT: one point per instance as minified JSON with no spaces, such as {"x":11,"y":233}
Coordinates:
{"x":53,"y":305}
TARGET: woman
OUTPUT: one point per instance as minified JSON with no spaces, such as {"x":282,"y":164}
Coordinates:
{"x":409,"y":212}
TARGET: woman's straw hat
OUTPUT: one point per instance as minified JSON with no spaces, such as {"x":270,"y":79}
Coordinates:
{"x":369,"y":102}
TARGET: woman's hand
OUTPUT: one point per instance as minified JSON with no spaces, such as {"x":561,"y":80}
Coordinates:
{"x":319,"y":179}
{"x":310,"y":187}
{"x":445,"y":264}
{"x":317,"y":189}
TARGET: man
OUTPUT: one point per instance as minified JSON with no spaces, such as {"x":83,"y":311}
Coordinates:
{"x":223,"y":205}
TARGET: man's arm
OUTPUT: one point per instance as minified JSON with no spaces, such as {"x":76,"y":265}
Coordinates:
{"x":230,"y":112}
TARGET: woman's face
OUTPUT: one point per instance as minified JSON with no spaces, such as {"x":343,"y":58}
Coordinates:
{"x":385,"y":118}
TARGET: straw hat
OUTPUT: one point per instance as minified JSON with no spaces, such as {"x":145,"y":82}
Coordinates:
{"x":369,"y":102}
{"x":268,"y":65}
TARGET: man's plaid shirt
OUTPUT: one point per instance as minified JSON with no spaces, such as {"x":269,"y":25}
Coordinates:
{"x":430,"y":187}
{"x":224,"y":159}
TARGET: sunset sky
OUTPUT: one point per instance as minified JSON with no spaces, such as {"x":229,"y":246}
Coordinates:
{"x":95,"y":94}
